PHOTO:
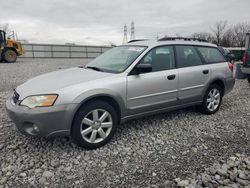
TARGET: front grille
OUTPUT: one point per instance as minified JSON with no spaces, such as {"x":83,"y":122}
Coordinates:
{"x":15,"y":97}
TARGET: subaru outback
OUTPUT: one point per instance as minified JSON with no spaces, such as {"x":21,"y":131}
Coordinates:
{"x":138,"y":79}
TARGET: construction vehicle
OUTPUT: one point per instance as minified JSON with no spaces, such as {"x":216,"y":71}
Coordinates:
{"x":9,"y":48}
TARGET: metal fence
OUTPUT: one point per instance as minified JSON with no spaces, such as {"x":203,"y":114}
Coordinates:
{"x":62,"y":51}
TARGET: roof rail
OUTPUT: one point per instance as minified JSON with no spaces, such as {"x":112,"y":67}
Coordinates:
{"x":182,"y":38}
{"x":137,"y":40}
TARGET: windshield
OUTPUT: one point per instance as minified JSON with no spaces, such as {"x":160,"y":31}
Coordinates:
{"x":117,"y":59}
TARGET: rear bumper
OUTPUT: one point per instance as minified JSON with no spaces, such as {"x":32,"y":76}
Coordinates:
{"x":49,"y":121}
{"x":245,"y":70}
{"x":229,"y":85}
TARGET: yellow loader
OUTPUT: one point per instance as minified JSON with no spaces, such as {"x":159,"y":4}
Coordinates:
{"x":9,"y":48}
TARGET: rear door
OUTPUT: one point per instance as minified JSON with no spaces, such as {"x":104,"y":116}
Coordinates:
{"x":156,"y":89}
{"x":193,"y":74}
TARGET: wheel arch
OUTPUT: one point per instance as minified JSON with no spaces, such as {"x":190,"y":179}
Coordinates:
{"x":103,"y":97}
{"x":219,"y":82}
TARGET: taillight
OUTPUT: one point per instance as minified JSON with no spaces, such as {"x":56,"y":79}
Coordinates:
{"x":244,"y":59}
{"x":231,"y":66}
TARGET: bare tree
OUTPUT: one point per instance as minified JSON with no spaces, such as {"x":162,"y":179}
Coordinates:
{"x":228,"y":39}
{"x":224,"y":35}
{"x":240,"y":31}
{"x":218,"y":30}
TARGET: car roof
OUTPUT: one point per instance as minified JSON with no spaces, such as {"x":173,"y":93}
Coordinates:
{"x":154,"y":43}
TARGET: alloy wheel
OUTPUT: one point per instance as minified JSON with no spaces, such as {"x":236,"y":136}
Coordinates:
{"x":213,"y":99}
{"x":96,"y":126}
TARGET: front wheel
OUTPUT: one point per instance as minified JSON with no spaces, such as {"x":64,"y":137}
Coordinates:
{"x":94,"y":124}
{"x":1,"y":56}
{"x":212,"y":100}
{"x":9,"y":56}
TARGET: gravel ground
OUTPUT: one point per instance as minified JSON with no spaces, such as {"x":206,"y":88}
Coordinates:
{"x":235,"y":172}
{"x":148,"y":152}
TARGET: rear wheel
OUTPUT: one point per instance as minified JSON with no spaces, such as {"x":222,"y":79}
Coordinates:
{"x":9,"y":56}
{"x":94,"y":124}
{"x":212,"y":100}
{"x":248,"y":79}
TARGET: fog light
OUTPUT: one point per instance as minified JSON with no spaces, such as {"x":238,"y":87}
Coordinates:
{"x":31,"y":128}
{"x":35,"y":128}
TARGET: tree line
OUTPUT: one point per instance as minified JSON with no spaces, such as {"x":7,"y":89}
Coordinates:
{"x":225,"y":35}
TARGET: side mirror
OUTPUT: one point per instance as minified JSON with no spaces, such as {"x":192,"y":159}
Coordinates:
{"x":142,"y":68}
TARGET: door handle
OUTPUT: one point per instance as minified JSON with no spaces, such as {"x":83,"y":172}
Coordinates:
{"x":205,"y":71}
{"x":171,"y":77}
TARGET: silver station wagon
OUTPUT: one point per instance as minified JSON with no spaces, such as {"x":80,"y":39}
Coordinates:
{"x":138,"y":79}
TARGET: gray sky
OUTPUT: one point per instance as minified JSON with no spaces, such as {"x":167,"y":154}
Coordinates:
{"x":102,"y":21}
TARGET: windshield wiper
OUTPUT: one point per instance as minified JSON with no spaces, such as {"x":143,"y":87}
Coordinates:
{"x":94,"y":68}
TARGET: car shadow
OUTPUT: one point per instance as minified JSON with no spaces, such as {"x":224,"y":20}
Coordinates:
{"x":63,"y":142}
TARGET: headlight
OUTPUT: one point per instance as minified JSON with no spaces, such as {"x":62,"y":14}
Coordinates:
{"x":39,"y":101}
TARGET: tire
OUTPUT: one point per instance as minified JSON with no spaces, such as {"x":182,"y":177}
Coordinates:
{"x":1,"y":57}
{"x":9,"y":56}
{"x":248,"y":79}
{"x":207,"y":107}
{"x":89,"y":130}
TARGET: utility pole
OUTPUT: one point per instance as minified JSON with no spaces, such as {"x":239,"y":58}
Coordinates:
{"x":125,"y":38}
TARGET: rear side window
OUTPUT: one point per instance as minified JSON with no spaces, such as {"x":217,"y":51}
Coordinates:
{"x":187,"y":56}
{"x":211,"y":55}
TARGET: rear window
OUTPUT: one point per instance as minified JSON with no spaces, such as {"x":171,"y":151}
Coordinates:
{"x":211,"y":55}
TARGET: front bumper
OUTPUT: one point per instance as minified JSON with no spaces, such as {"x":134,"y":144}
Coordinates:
{"x":229,"y":85}
{"x":47,"y":121}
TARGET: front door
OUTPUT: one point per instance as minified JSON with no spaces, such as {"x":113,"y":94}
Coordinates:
{"x":156,"y":89}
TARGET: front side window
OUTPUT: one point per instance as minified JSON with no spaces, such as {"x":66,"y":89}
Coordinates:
{"x":160,"y":58}
{"x":211,"y":55}
{"x":117,"y":59}
{"x":187,"y":56}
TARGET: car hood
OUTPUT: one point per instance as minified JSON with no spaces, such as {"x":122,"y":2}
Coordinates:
{"x":51,"y":82}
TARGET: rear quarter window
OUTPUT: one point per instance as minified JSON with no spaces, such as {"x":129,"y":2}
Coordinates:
{"x":211,"y":55}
